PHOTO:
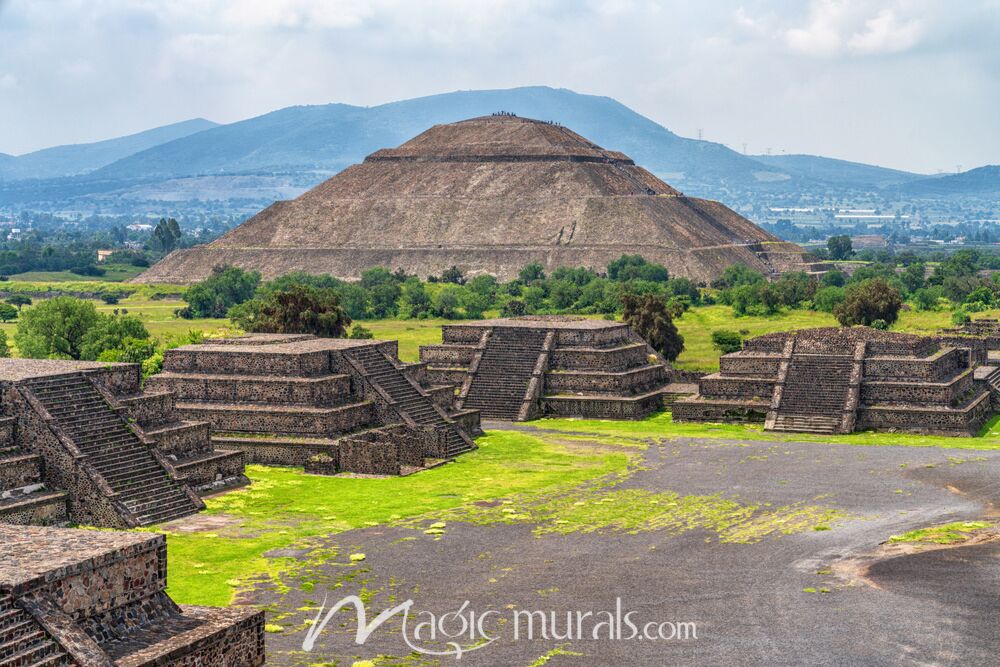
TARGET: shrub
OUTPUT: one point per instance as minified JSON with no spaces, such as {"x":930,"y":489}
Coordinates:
{"x":867,"y":301}
{"x":513,"y":308}
{"x":726,"y":341}
{"x":359,"y":332}
{"x":4,"y":347}
{"x":7,"y":312}
{"x":296,"y":309}
{"x":960,"y":317}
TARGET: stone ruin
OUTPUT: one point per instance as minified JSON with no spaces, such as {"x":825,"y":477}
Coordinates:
{"x":525,"y":367}
{"x":838,"y":380}
{"x":489,"y":195}
{"x":97,"y":599}
{"x":329,"y":404}
{"x":81,"y":442}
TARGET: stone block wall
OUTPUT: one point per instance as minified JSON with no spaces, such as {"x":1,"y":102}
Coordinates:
{"x":922,"y":393}
{"x":633,"y":381}
{"x":622,"y":358}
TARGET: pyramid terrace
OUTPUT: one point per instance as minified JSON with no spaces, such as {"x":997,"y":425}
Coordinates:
{"x":524,"y":367}
{"x":841,"y":380}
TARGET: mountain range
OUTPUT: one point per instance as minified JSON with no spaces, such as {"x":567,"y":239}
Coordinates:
{"x":291,"y":149}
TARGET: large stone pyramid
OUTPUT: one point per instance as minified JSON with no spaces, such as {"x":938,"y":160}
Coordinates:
{"x":488,"y":194}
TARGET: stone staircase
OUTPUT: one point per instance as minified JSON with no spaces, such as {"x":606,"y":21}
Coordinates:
{"x":500,"y":383}
{"x":23,"y":642}
{"x":381,"y":372}
{"x":815,"y":394}
{"x":144,"y":485}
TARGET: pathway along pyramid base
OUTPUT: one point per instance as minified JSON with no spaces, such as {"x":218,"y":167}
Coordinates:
{"x":489,"y":195}
{"x":525,"y":367}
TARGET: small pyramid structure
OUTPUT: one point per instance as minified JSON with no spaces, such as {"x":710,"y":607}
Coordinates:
{"x":489,"y":195}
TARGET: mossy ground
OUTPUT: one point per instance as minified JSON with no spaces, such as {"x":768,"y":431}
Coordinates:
{"x":284,"y":507}
{"x":950,"y":533}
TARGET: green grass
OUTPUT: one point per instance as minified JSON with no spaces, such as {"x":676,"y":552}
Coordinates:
{"x":950,"y":533}
{"x":113,"y":273}
{"x":662,"y":426}
{"x":411,"y":334}
{"x":284,"y":507}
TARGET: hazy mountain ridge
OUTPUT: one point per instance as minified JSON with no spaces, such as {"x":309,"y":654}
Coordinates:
{"x":833,"y":170}
{"x":302,"y":145}
{"x":982,"y":181}
{"x":75,"y":159}
{"x":331,"y":137}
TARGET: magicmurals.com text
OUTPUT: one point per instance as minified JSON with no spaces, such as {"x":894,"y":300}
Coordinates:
{"x":464,"y":630}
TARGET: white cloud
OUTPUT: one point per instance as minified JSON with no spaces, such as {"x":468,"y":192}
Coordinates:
{"x":836,"y":27}
{"x":7,"y":80}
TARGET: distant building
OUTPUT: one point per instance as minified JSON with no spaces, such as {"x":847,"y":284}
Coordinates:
{"x":140,"y":227}
{"x":869,"y":241}
{"x":102,"y":255}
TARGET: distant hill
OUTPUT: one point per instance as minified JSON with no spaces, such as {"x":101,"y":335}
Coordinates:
{"x":331,"y":137}
{"x":841,"y":172}
{"x":78,"y":159}
{"x":979,"y":182}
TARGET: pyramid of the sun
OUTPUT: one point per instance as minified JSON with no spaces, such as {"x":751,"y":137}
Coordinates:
{"x":489,"y":195}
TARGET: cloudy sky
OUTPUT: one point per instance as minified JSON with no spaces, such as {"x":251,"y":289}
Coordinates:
{"x":912,"y":84}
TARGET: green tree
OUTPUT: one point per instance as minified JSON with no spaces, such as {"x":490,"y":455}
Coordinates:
{"x":453,"y":275}
{"x":166,"y":235}
{"x":926,"y":298}
{"x":913,"y":277}
{"x":531,"y":273}
{"x":474,"y":304}
{"x":649,"y":317}
{"x":225,"y":288}
{"x":296,"y":309}
{"x":867,"y":301}
{"x":110,"y":332}
{"x":7,"y":312}
{"x":447,"y":301}
{"x":4,"y":347}
{"x":384,"y":298}
{"x":55,"y":328}
{"x":635,"y":267}
{"x":736,"y":275}
{"x":840,"y":247}
{"x":414,"y":300}
{"x":19,"y":300}
{"x":827,"y":299}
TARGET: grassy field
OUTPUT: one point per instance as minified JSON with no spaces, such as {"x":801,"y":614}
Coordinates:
{"x":113,"y":273}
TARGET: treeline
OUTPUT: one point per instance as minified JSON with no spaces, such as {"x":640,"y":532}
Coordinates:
{"x":383,"y":294}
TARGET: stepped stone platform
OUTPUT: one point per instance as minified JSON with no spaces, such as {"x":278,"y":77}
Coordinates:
{"x":838,"y":380}
{"x":489,"y":195}
{"x":97,"y":599}
{"x":346,"y":405}
{"x":81,"y":442}
{"x":525,"y":367}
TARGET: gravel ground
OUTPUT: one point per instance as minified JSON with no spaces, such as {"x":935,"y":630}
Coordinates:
{"x":931,"y":607}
